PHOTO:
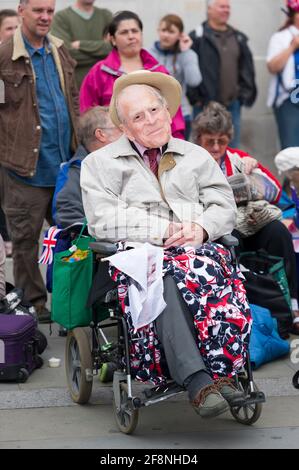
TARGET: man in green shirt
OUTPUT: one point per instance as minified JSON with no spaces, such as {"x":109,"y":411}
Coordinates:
{"x":82,"y":27}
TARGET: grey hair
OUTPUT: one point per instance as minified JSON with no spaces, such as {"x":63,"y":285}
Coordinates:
{"x":24,"y":2}
{"x":215,"y":119}
{"x":155,"y":91}
{"x":94,"y":118}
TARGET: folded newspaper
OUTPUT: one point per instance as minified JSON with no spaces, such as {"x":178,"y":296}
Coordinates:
{"x":254,"y":187}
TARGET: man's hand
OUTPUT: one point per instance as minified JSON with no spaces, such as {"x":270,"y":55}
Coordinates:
{"x":185,"y":234}
{"x":249,"y":164}
{"x":75,"y":45}
{"x":172,"y":228}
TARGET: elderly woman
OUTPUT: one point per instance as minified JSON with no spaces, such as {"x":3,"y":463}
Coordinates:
{"x":127,"y":56}
{"x":213,"y":130}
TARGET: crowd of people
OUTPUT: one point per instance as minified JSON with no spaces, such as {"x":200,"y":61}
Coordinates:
{"x":80,"y":82}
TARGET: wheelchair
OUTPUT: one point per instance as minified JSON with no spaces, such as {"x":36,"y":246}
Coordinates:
{"x":90,"y":355}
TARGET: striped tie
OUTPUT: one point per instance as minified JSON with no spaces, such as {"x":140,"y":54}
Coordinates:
{"x":152,"y":157}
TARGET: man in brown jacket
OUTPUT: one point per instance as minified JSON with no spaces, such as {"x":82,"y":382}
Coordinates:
{"x":37,"y":122}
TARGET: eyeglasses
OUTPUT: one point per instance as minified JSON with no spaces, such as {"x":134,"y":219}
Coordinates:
{"x":212,"y":142}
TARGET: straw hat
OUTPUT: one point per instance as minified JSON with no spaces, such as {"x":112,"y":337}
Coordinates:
{"x":168,"y":86}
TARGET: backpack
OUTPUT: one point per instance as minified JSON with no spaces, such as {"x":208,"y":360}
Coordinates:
{"x":21,"y":343}
{"x":13,"y":304}
{"x":61,"y":182}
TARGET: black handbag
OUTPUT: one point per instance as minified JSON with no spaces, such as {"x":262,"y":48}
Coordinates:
{"x":266,"y":286}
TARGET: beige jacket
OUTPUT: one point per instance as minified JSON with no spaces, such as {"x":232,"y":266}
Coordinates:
{"x":123,"y":200}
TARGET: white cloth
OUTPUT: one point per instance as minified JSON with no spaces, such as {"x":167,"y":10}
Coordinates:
{"x":279,"y":42}
{"x":144,"y":266}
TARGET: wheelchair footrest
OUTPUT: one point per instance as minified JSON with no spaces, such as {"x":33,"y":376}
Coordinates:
{"x":156,"y":394}
{"x":251,"y":399}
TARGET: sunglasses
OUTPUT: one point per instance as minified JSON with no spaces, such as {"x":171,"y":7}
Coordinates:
{"x":222,"y":142}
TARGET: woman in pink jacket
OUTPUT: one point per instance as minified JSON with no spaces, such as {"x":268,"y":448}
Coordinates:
{"x":127,"y":55}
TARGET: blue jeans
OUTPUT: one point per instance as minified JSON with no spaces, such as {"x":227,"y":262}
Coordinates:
{"x":287,"y":120}
{"x":235,"y":109}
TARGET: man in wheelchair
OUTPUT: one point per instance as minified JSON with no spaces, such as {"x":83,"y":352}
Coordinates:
{"x":150,"y":187}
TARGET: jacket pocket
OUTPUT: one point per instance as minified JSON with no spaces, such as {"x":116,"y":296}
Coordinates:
{"x":14,"y":85}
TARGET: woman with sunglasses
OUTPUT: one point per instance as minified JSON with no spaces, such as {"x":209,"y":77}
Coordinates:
{"x":213,"y":130}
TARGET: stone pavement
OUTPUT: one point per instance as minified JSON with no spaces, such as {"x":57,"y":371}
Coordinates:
{"x":41,"y":414}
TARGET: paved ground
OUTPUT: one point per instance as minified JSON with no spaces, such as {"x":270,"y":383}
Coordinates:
{"x":40,"y":414}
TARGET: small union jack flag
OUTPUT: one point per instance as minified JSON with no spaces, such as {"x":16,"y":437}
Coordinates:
{"x":49,"y":244}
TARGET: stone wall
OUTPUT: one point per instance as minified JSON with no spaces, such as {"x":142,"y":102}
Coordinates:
{"x":258,"y":19}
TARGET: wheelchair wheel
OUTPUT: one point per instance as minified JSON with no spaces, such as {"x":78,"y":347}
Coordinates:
{"x":126,"y":418}
{"x":79,"y":365}
{"x":247,"y":414}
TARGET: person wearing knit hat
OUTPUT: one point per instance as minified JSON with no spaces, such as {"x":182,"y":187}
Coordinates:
{"x":287,"y":160}
{"x":283,"y":64}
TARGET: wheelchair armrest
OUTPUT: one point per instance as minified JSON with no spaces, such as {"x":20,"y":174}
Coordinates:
{"x":103,"y":248}
{"x":228,"y":241}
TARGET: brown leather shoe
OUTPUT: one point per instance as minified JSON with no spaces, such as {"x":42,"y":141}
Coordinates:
{"x":228,"y":389}
{"x":209,"y":403}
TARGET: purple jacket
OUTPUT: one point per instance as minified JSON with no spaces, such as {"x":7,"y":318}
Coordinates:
{"x":97,"y":87}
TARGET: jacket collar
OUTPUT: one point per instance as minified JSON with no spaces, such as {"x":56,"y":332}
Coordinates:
{"x":19,"y":49}
{"x":210,"y":32}
{"x":123,"y":148}
{"x":112,"y":62}
{"x":157,"y":46}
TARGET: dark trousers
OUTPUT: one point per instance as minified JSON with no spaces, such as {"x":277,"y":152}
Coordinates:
{"x":276,"y":240}
{"x":3,"y":226}
{"x":287,"y":120}
{"x":26,"y":207}
{"x":177,"y":334}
